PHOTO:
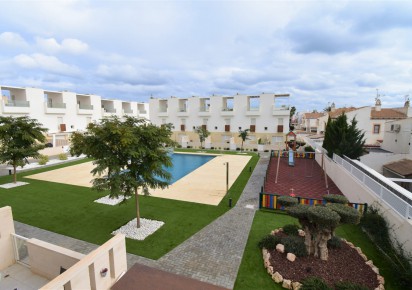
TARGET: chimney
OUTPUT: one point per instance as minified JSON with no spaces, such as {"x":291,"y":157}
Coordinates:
{"x":377,"y":104}
{"x":332,"y":107}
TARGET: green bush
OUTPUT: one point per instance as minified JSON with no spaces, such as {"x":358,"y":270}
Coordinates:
{"x":291,"y":229}
{"x":43,"y":159}
{"x":309,"y":149}
{"x":269,"y":242}
{"x":179,"y":146}
{"x":314,"y":283}
{"x":299,"y":211}
{"x":62,"y":156}
{"x":335,"y":198}
{"x":335,"y":243}
{"x":287,"y":201}
{"x":349,"y":286}
{"x":295,"y":245}
{"x":348,"y":215}
{"x":323,"y":216}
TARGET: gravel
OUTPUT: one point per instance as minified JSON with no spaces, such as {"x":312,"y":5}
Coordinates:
{"x":110,"y":201}
{"x":147,"y":227}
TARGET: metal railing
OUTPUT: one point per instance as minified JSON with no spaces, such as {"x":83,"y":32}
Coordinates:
{"x":385,"y":191}
{"x":21,"y":253}
{"x":128,"y":111}
{"x":109,"y":110}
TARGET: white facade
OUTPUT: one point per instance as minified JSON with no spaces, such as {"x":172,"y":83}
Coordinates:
{"x":398,"y":136}
{"x":265,"y":115}
{"x":64,"y":112}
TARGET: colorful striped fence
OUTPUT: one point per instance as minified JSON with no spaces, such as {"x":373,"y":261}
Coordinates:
{"x":269,"y":201}
{"x":285,"y":154}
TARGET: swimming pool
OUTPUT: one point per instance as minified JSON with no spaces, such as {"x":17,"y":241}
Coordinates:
{"x":183,"y":164}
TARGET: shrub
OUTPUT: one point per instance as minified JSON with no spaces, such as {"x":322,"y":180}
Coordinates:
{"x":179,"y":146}
{"x":348,"y":215}
{"x":255,"y":149}
{"x":227,"y":148}
{"x":323,"y":216}
{"x":335,"y":198}
{"x":43,"y":159}
{"x":212,"y":148}
{"x":287,"y":201}
{"x":62,"y":156}
{"x":291,"y":229}
{"x":269,"y":242}
{"x":295,"y":245}
{"x":237,"y":149}
{"x":266,"y":150}
{"x":314,"y":283}
{"x":309,"y":149}
{"x":349,"y":286}
{"x":335,"y":243}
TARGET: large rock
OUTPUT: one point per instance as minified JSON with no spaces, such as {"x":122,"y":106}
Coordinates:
{"x":369,"y":263}
{"x":380,"y":287}
{"x":301,"y":233}
{"x":270,"y":270}
{"x":277,"y":277}
{"x":364,"y":257}
{"x":375,"y":269}
{"x":359,"y":250}
{"x":296,"y":285}
{"x":350,"y":244}
{"x":280,"y":248}
{"x":381,"y":280}
{"x":287,"y":284}
{"x":291,"y":257}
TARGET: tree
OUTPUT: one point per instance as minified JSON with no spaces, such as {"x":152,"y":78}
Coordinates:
{"x":243,"y":134}
{"x":320,"y":222}
{"x":342,"y":138}
{"x":20,"y":138}
{"x":203,"y":134}
{"x":132,"y":153}
{"x":291,"y":113}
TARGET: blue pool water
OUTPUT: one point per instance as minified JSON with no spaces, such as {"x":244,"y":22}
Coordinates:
{"x":183,"y":164}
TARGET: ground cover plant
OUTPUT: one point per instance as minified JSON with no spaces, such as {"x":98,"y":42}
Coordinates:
{"x":253,"y":275}
{"x":70,"y":210}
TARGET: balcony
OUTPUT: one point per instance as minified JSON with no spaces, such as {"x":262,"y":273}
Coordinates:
{"x":163,"y":113}
{"x":108,"y":111}
{"x":182,"y":112}
{"x":84,"y":109}
{"x":253,"y":111}
{"x":204,"y":111}
{"x":16,"y":107}
{"x":127,"y":112}
{"x":280,"y":111}
{"x":55,"y":108}
{"x":227,"y":112}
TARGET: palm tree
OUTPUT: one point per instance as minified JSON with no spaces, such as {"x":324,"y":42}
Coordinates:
{"x":244,"y":135}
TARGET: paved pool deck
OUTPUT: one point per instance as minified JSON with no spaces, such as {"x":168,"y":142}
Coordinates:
{"x":206,"y":184}
{"x":211,"y":255}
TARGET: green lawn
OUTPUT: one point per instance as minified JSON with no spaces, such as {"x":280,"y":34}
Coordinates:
{"x":70,"y":210}
{"x":253,"y":275}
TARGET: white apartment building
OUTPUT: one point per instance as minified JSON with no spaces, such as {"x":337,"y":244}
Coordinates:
{"x":265,"y":115}
{"x":310,"y":121}
{"x":64,"y":112}
{"x":371,"y":120}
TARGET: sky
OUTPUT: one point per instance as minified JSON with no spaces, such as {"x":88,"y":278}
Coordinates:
{"x":317,"y":51}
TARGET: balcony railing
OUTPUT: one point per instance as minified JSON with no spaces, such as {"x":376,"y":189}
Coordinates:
{"x":56,"y":105}
{"x":128,"y":111}
{"x":109,"y":110}
{"x":227,"y":109}
{"x":86,"y":107}
{"x":142,"y":112}
{"x":17,"y":104}
{"x":204,"y":109}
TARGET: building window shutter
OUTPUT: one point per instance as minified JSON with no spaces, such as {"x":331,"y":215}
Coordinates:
{"x":63,"y":127}
{"x":252,"y":128}
{"x":280,"y":128}
{"x":227,"y":128}
{"x":204,"y":127}
{"x":182,"y":127}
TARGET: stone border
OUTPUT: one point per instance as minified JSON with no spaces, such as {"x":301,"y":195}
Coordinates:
{"x":147,"y":227}
{"x":110,"y":201}
{"x":289,"y":284}
{"x":13,"y":185}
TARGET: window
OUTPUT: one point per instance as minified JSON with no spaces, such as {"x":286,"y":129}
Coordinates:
{"x":376,"y":129}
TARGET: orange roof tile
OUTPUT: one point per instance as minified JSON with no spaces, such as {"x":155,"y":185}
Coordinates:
{"x":339,"y":111}
{"x":387,"y":114}
{"x":313,"y":115}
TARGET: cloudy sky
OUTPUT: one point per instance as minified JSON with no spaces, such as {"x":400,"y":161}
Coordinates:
{"x":318,"y":51}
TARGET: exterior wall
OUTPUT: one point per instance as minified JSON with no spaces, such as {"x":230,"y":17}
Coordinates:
{"x":74,"y":117}
{"x":46,"y":259}
{"x":398,"y":142}
{"x":6,"y":243}
{"x":322,"y":124}
{"x":266,"y":118}
{"x":357,"y":192}
{"x":86,"y":274}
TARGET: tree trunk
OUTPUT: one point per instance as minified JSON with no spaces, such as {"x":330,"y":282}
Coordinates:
{"x":14,"y":173}
{"x":308,"y":241}
{"x":137,"y":209}
{"x":323,"y":245}
{"x":241,"y":149}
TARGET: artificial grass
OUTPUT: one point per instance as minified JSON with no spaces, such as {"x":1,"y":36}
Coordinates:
{"x":252,"y":273}
{"x":70,"y":210}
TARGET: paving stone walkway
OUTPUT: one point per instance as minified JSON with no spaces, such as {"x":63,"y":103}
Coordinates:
{"x":212,"y":255}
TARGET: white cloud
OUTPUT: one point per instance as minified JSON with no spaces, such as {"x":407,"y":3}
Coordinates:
{"x":12,"y":39}
{"x":45,"y":63}
{"x":68,"y":45}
